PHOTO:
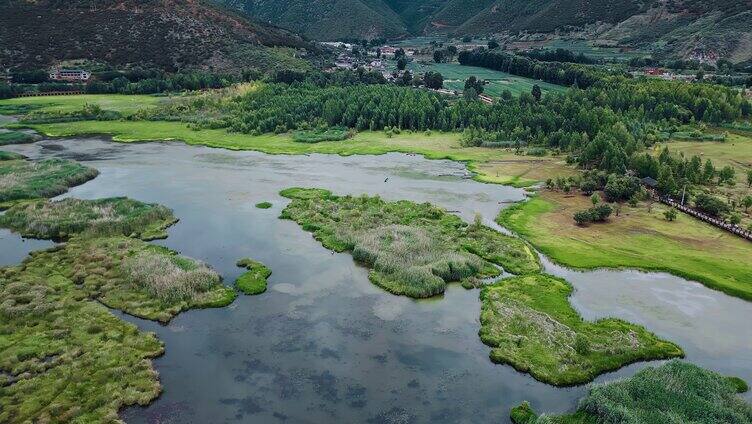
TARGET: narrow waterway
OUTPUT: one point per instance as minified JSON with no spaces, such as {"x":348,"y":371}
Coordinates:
{"x":325,"y":345}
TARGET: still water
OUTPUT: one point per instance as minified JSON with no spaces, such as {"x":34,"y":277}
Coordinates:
{"x":325,"y":345}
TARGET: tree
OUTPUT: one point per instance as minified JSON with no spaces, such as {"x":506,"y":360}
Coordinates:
{"x":747,"y":202}
{"x":438,"y":56}
{"x":726,"y":175}
{"x":401,"y":63}
{"x":595,"y":199}
{"x":536,"y":92}
{"x":708,"y":172}
{"x":735,"y":219}
{"x":493,"y":44}
{"x":666,"y":182}
{"x":474,"y":83}
{"x":433,"y":80}
{"x":670,"y":214}
{"x":582,"y":217}
{"x":710,"y":205}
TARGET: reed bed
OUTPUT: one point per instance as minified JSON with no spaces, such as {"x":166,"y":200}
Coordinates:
{"x":170,"y":278}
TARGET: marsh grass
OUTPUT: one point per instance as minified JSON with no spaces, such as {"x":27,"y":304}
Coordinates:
{"x":530,"y":325}
{"x":676,"y":392}
{"x":412,"y":249}
{"x":65,"y":357}
{"x":23,"y":179}
{"x":10,"y":156}
{"x":15,"y":137}
{"x":62,"y":219}
{"x":168,"y":277}
{"x":253,"y":281}
{"x":264,"y":205}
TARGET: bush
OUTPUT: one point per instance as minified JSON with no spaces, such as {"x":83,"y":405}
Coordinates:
{"x":710,"y":205}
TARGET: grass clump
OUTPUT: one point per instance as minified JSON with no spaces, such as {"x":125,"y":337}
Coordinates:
{"x":413,"y":249}
{"x":10,"y":156}
{"x":253,"y":281}
{"x":530,"y":325}
{"x":264,"y":205}
{"x":62,"y":219}
{"x":15,"y":137}
{"x":676,"y":392}
{"x":22,"y":179}
{"x":322,"y":134}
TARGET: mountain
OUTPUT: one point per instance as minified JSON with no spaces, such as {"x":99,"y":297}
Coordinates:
{"x":166,"y":34}
{"x":326,"y":19}
{"x":675,"y":27}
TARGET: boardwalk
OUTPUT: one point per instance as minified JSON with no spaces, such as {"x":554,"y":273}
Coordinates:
{"x":735,"y":229}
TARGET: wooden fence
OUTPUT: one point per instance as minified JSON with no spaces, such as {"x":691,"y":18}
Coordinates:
{"x":49,"y":93}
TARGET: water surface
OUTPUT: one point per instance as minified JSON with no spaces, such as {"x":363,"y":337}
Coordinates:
{"x":323,"y":344}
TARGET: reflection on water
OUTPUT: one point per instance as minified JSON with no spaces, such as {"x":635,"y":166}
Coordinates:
{"x":323,"y":344}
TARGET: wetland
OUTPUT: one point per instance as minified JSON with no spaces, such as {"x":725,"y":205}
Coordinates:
{"x":324,"y":343}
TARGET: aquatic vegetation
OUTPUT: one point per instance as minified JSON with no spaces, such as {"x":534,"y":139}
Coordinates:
{"x":264,"y":205}
{"x":144,"y":280}
{"x":676,"y":392}
{"x":10,"y":156}
{"x":15,"y":137}
{"x":22,"y":179}
{"x":413,"y":249}
{"x":530,"y":325}
{"x":62,"y":219}
{"x":65,"y":357}
{"x":252,"y":281}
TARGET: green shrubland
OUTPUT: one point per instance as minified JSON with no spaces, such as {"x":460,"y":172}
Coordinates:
{"x":676,"y":392}
{"x":10,"y":156}
{"x":62,"y":219}
{"x":530,"y":325}
{"x":252,"y":281}
{"x":23,"y":179}
{"x":412,"y":249}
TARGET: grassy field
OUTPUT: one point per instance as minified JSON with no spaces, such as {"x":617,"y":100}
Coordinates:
{"x":676,"y":392}
{"x":125,"y":104}
{"x":530,"y":325}
{"x":634,"y":239}
{"x":253,"y":281}
{"x":456,"y":74}
{"x":412,"y":249}
{"x":736,"y":151}
{"x":587,"y":48}
{"x":492,"y":165}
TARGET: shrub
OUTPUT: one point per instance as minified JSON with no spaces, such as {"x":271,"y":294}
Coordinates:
{"x":710,"y":205}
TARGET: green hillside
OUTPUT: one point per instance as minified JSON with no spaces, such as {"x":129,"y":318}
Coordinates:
{"x":326,"y":19}
{"x":165,"y":34}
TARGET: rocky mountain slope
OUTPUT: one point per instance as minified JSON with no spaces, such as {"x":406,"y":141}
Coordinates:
{"x":166,"y":34}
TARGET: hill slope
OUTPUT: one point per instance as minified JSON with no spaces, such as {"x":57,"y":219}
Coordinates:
{"x":676,"y":27}
{"x":167,"y":34}
{"x":326,"y":19}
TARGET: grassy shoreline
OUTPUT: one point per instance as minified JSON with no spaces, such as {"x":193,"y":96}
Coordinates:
{"x":435,"y":146}
{"x":635,"y":240}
